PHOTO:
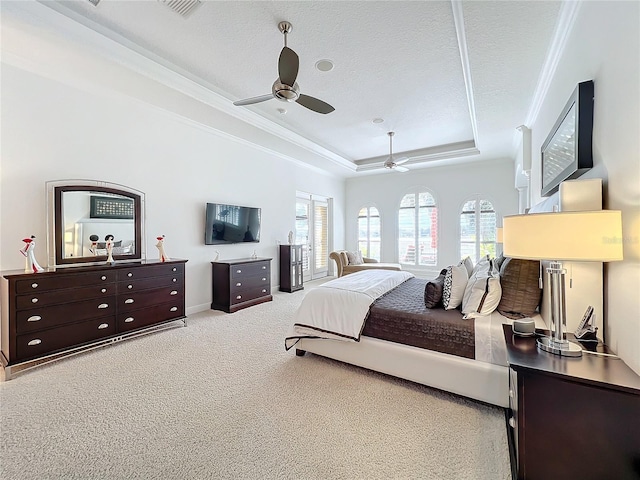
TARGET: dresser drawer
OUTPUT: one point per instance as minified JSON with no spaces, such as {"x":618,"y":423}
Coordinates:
{"x":149,"y":298}
{"x":152,"y":315}
{"x":250,"y":294}
{"x":242,"y":270}
{"x":48,"y":341}
{"x":55,"y":297}
{"x":47,"y":317}
{"x":240,"y":285}
{"x":175,"y":269}
{"x":130,"y":286}
{"x":54,"y":282}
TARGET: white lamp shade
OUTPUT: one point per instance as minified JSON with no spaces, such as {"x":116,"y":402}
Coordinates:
{"x":569,"y":236}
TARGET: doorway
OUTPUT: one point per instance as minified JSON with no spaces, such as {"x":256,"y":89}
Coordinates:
{"x":312,"y":232}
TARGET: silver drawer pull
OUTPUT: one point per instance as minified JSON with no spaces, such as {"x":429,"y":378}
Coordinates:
{"x":173,"y":309}
{"x":34,"y":285}
{"x":37,"y":341}
{"x":34,"y":300}
{"x":239,"y":284}
{"x":103,"y":305}
{"x":264,"y":267}
{"x":129,"y":274}
{"x":264,"y":279}
{"x":174,"y":292}
{"x":129,"y":300}
{"x":174,"y":269}
{"x":34,"y":318}
{"x":103,"y":277}
{"x":238,"y":297}
{"x":129,"y":287}
{"x":128,"y":320}
{"x":264,"y":291}
{"x":103,"y":326}
{"x":104,"y":290}
{"x":238,"y":271}
{"x":174,"y":280}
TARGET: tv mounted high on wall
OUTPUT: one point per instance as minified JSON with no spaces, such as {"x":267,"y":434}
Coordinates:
{"x":567,"y":151}
{"x":227,"y":224}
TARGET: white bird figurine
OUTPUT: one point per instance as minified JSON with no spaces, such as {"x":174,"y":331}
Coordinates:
{"x":217,"y":256}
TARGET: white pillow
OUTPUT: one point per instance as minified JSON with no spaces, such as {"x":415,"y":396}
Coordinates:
{"x":355,"y":258}
{"x":482,"y":266}
{"x":455,"y":282}
{"x":482,"y":294}
{"x":468,"y":263}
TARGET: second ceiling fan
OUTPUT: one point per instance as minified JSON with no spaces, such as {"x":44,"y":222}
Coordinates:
{"x":285,"y":87}
{"x":392,"y":163}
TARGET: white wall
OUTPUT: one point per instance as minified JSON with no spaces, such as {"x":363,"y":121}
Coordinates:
{"x":451,"y":186}
{"x":52,"y":130}
{"x":604,"y":45}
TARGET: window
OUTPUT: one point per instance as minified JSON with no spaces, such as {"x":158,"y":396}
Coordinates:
{"x":418,"y":230}
{"x":369,"y":232}
{"x":477,"y":229}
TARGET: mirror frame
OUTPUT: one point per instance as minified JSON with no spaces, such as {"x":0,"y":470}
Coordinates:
{"x":55,"y":227}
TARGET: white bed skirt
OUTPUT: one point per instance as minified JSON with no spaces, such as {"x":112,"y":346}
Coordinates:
{"x":478,"y":380}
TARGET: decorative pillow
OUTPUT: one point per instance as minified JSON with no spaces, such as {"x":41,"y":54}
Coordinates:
{"x":455,"y":281}
{"x":521,"y":293}
{"x":482,"y":293}
{"x":355,"y":258}
{"x":468,"y":263}
{"x":433,"y":290}
{"x":482,"y":266}
{"x":498,"y":261}
{"x":344,"y":258}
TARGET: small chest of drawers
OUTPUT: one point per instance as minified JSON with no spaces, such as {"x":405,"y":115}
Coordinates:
{"x":56,"y":311}
{"x":240,"y":283}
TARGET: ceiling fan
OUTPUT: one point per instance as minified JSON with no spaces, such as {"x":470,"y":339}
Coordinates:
{"x":395,"y":163}
{"x":285,"y":87}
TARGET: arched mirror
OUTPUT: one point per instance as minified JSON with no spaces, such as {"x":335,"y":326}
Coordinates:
{"x":84,"y":213}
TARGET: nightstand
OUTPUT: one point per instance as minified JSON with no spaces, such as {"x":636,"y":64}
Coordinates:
{"x":572,"y":417}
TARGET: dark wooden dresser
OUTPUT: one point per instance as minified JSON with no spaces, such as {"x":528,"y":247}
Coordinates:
{"x":54,"y":312}
{"x":291,"y":268}
{"x":240,"y":283}
{"x":572,"y":417}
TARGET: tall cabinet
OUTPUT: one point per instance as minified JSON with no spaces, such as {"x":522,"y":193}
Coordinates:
{"x":291,"y":268}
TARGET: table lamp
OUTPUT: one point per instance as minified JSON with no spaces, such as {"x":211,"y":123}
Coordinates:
{"x":563,"y":236}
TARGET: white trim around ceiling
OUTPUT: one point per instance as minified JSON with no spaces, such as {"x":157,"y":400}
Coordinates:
{"x":458,"y":19}
{"x":127,"y":54}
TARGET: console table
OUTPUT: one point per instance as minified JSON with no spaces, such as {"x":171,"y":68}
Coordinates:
{"x":572,"y":417}
{"x":66,"y":310}
{"x":240,"y":283}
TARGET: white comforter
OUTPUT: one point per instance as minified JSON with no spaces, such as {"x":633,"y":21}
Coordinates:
{"x":338,"y":308}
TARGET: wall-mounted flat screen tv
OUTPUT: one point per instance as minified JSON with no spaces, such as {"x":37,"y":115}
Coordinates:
{"x":231,"y":224}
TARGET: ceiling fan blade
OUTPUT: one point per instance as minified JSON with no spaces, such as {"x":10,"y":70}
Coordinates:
{"x":401,"y":160}
{"x":288,"y":66}
{"x":314,"y":104}
{"x":398,"y":168}
{"x":249,"y":101}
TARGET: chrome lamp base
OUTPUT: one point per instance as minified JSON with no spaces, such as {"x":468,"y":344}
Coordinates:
{"x":564,"y":348}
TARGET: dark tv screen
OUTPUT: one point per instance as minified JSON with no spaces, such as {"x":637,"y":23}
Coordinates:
{"x":231,"y":224}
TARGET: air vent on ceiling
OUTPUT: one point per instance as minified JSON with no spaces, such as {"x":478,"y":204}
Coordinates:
{"x":94,"y":2}
{"x":182,"y":7}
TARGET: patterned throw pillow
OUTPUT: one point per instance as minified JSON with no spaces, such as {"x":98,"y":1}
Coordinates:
{"x":521,"y":292}
{"x":433,"y":290}
{"x":355,"y":258}
{"x":455,"y":281}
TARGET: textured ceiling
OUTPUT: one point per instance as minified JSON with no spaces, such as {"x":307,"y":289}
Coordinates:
{"x":400,"y":61}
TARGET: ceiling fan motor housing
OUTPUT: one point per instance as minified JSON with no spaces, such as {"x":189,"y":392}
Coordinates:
{"x":285,"y":92}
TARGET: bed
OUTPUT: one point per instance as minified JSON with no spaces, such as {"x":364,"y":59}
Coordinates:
{"x":378,"y":320}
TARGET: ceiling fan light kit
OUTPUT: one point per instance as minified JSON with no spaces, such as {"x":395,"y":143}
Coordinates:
{"x":285,"y":88}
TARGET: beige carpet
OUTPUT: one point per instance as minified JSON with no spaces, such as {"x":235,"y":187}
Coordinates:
{"x":221,"y":399}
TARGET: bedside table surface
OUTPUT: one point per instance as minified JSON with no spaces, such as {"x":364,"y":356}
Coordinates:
{"x":610,"y":372}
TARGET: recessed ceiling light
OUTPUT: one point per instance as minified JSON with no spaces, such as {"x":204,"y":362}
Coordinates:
{"x":378,"y":120}
{"x":324,"y":65}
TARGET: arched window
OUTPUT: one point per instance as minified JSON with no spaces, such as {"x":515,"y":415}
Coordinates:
{"x":369,"y":232}
{"x":418,"y":230}
{"x":477,"y":229}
